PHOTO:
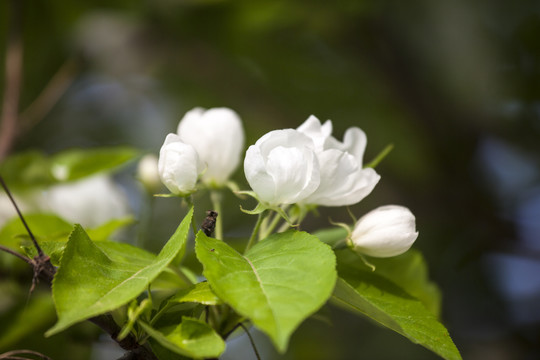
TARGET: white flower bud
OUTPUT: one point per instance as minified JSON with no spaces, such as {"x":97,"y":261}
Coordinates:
{"x":218,"y":137}
{"x":343,"y":180}
{"x":147,"y":172}
{"x":179,"y":166}
{"x":281,"y":167}
{"x":384,"y":232}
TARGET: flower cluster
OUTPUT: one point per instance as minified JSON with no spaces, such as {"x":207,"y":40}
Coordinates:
{"x":309,"y":166}
{"x":208,"y":145}
{"x":305,"y":166}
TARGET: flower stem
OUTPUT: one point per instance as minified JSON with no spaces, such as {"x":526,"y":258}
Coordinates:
{"x":147,"y":207}
{"x":216,"y":199}
{"x":380,"y":156}
{"x":255,"y":231}
{"x":189,"y":202}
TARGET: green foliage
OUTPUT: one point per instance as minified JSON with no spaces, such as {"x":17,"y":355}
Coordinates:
{"x":331,"y":236}
{"x":373,"y":294}
{"x":38,"y":312}
{"x":276,"y":284}
{"x":27,"y":170}
{"x":106,"y":230}
{"x":90,"y":281}
{"x":191,"y":337}
{"x":75,"y":164}
{"x":53,"y":233}
{"x":45,"y":227}
{"x":199,"y":293}
{"x":31,"y":170}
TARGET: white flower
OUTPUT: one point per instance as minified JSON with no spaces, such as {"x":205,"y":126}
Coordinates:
{"x":281,"y":167}
{"x":90,"y":201}
{"x":148,"y":174}
{"x":218,"y":137}
{"x":386,"y":231}
{"x":179,"y":166}
{"x":26,"y":203}
{"x":343,"y":180}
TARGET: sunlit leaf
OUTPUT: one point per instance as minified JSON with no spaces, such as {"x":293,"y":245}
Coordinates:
{"x":74,"y":164}
{"x":200,"y":293}
{"x":331,"y":236}
{"x":26,"y":170}
{"x":105,"y":231}
{"x":192,"y":338}
{"x":89,"y":282}
{"x":367,"y":293}
{"x":45,"y":227}
{"x":277,"y":284}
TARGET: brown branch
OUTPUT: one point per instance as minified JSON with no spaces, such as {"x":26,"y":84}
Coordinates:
{"x":12,"y":355}
{"x":49,"y":96}
{"x":34,"y":241}
{"x":13,"y":73}
{"x":14,"y":253}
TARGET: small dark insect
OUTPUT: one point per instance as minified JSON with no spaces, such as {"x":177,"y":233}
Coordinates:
{"x":212,"y":250}
{"x":209,"y":223}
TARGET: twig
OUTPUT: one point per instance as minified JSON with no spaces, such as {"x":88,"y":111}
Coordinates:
{"x":38,"y":248}
{"x":13,"y":74}
{"x":14,"y":253}
{"x":50,"y":95}
{"x":43,"y":269}
{"x":251,"y":341}
{"x":12,"y":355}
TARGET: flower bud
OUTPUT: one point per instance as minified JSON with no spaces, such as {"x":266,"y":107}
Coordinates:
{"x":148,"y":174}
{"x":343,"y":180}
{"x":218,"y":137}
{"x":179,"y":166}
{"x":281,"y":167}
{"x":384,"y":232}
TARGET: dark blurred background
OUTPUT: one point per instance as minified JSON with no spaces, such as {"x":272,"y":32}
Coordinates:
{"x":454,"y":85}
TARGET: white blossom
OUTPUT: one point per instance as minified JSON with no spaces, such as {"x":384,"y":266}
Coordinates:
{"x":343,"y":180}
{"x":179,"y":165}
{"x":384,"y":232}
{"x":281,"y":167}
{"x":25,"y":203}
{"x":218,"y":137}
{"x":90,"y":201}
{"x":147,"y":172}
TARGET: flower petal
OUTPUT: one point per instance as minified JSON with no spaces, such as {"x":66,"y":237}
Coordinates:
{"x":386,"y":231}
{"x":218,"y":137}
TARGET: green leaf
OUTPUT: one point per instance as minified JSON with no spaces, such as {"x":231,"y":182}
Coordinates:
{"x":331,"y":236}
{"x":277,"y":284}
{"x":45,"y":227}
{"x":75,"y":164}
{"x":192,"y":338}
{"x":410,"y":271}
{"x":162,"y":353}
{"x":89,"y":282}
{"x":32,"y":169}
{"x":115,"y":251}
{"x":370,"y":294}
{"x":199,"y":293}
{"x":105,"y":231}
{"x":38,"y":313}
{"x":26,"y":170}
{"x":134,"y":311}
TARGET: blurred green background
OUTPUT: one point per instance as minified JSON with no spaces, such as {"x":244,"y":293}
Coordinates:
{"x":454,"y":85}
